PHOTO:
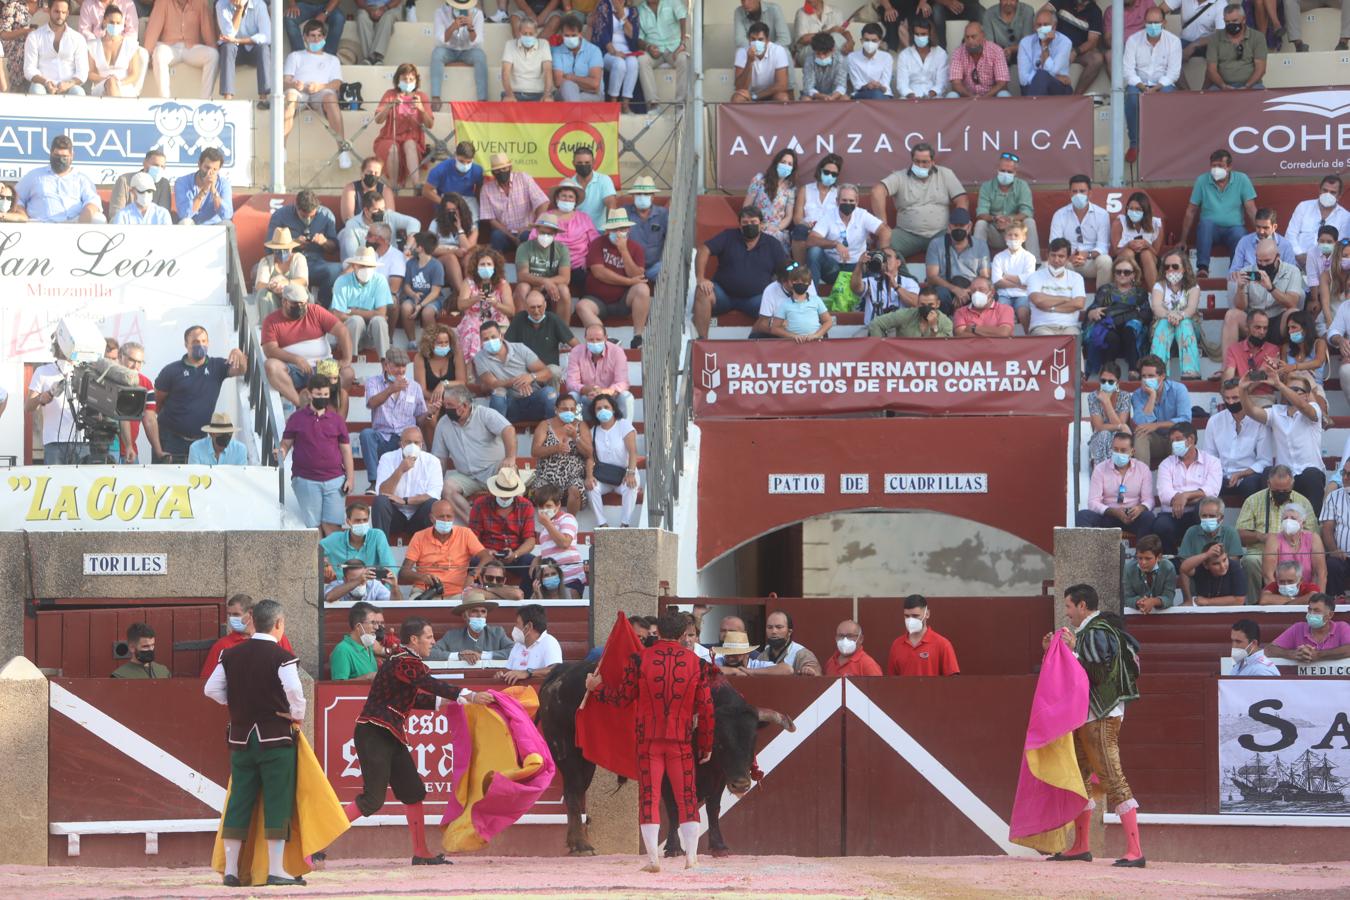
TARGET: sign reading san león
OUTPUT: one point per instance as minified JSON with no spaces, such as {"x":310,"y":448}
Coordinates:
{"x":981,"y":376}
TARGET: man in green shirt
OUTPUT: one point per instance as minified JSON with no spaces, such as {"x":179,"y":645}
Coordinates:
{"x":141,"y":648}
{"x":662,"y":25}
{"x":1211,"y":529}
{"x":922,"y":321}
{"x":1221,"y":201}
{"x":353,"y":659}
{"x":358,"y":540}
{"x":1236,"y":59}
{"x":544,"y":264}
{"x":541,"y":330}
{"x":1004,"y":199}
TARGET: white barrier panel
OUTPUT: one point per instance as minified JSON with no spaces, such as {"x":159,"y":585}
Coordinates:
{"x":144,"y":498}
{"x":111,"y":138}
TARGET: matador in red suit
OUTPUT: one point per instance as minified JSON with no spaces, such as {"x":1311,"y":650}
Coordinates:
{"x":674,"y":708}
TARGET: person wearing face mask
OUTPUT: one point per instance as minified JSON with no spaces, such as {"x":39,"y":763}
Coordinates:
{"x":825,"y":69}
{"x":871,"y":70}
{"x":1210,"y":578}
{"x":1288,"y":587}
{"x":218,"y":448}
{"x":1318,"y":638}
{"x":953,"y":260}
{"x":322,"y":472}
{"x":1087,"y":228}
{"x":761,"y":69}
{"x":925,"y":320}
{"x":455,"y":227}
{"x":578,"y":65}
{"x":747,"y":264}
{"x":774,"y":193}
{"x":536,"y":651}
{"x":1109,"y":413}
{"x":1011,"y":269}
{"x":598,"y":199}
{"x":576,"y":230}
{"x":360,"y":582}
{"x":557,"y":527}
{"x":921,"y":69}
{"x":1184,"y":478}
{"x":141,"y":650}
{"x":1197,"y":544}
{"x":616,"y":282}
{"x":921,"y":650}
{"x":477,"y":640}
{"x":186,"y":391}
{"x":407,"y":482}
{"x":1220,"y":202}
{"x":238,"y":628}
{"x":1005,"y":201}
{"x":562,"y":445}
{"x":802,"y":317}
{"x":295,"y":341}
{"x":510,"y":203}
{"x":503,"y":519}
{"x":1249,"y":660}
{"x":10,"y":210}
{"x":1236,"y":59}
{"x":1336,"y":533}
{"x":983,"y":316}
{"x":1175,"y":302}
{"x":459,"y":174}
{"x":1137,"y":235}
{"x":1152,"y":65}
{"x":613,"y":466}
{"x":549,"y":585}
{"x":543,"y":332}
{"x":142,"y":210}
{"x":123,"y":196}
{"x":841,"y":238}
{"x":1260,"y":517}
{"x":1117,"y":321}
{"x":458,"y":27}
{"x":1155,"y":406}
{"x":314,"y":228}
{"x":1240,"y":442}
{"x":1294,"y":543}
{"x":599,"y":368}
{"x":780,"y":654}
{"x":58,"y":192}
{"x":518,"y":384}
{"x":203,"y":197}
{"x":397,"y":407}
{"x":1056,"y":293}
{"x":651,"y":222}
{"x":1304,"y":351}
{"x":280,"y":267}
{"x":1296,"y":422}
{"x":1043,"y":58}
{"x":353,"y":659}
{"x":359,"y":540}
{"x":527,"y":65}
{"x":1327,"y":271}
{"x":312,"y":77}
{"x":404,"y":114}
{"x":924,"y":195}
{"x":1310,"y":218}
{"x":849,"y":658}
{"x":361,"y":300}
{"x":544,"y":264}
{"x":445,"y":556}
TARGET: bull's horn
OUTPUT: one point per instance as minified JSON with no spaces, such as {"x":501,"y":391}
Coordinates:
{"x":769,"y":715}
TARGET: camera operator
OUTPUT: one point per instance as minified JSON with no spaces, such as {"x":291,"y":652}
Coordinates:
{"x":882,"y":285}
{"x":62,"y":439}
{"x":923,"y":321}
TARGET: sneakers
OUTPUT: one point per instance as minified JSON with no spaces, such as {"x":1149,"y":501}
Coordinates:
{"x":344,"y":160}
{"x":499,"y":16}
{"x":1300,"y":47}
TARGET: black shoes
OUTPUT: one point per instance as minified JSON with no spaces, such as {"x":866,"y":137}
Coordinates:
{"x":1071,"y":857}
{"x":1130,"y":863}
{"x":231,"y":881}
{"x":277,"y":881}
{"x":437,"y":860}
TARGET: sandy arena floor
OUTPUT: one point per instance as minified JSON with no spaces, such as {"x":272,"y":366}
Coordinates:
{"x":614,"y":877}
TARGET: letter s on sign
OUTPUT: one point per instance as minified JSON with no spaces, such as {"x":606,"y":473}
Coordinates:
{"x":1257,"y":713}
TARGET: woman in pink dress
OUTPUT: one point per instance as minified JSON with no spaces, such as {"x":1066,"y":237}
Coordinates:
{"x":484,"y":295}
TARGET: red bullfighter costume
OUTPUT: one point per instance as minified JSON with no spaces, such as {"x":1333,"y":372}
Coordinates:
{"x":674,"y":705}
{"x":403,"y":683}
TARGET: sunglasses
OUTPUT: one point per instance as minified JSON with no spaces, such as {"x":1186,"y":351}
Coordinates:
{"x":834,"y":172}
{"x":1012,"y":156}
{"x":1109,"y":381}
{"x":1173,"y":267}
{"x":493,"y":581}
{"x":1124,"y":271}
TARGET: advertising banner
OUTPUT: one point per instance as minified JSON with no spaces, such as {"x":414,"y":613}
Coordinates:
{"x":112,"y":138}
{"x":137,"y":498}
{"x":975,"y":377}
{"x":1051,"y":135}
{"x":1284,"y":746}
{"x":540,"y":137}
{"x":1269,"y":133}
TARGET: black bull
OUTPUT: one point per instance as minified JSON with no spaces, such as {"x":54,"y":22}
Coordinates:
{"x":733,"y":753}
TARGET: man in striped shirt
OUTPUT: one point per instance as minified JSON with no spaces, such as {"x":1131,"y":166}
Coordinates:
{"x":1335,"y":521}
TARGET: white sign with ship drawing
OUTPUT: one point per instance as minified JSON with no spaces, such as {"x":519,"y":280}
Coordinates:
{"x":1284,"y":746}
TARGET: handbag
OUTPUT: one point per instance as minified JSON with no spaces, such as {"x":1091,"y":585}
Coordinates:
{"x":609,"y":473}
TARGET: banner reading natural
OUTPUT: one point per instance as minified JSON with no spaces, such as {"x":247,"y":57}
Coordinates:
{"x":1269,"y":133}
{"x":540,"y":137}
{"x":1051,"y":135}
{"x":976,"y":377}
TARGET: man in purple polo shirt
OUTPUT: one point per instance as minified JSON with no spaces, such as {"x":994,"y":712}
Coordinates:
{"x":1318,"y":638}
{"x":321,"y":472}
{"x":395,"y":403}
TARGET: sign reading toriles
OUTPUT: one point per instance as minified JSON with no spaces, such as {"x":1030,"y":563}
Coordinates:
{"x":112,"y":138}
{"x":982,"y":376}
{"x":1284,"y":747}
{"x":1269,"y":133}
{"x":541,"y":137}
{"x":126,"y":564}
{"x":1051,"y":135}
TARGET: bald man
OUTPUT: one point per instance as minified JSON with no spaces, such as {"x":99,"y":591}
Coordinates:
{"x":442,"y":554}
{"x":1273,"y":286}
{"x":849,"y":657}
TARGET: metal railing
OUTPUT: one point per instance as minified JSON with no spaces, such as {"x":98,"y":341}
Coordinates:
{"x":666,"y":400}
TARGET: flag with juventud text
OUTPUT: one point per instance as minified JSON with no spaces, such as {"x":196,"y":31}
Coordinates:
{"x":606,"y":733}
{"x":1050,"y":791}
{"x":541,"y":137}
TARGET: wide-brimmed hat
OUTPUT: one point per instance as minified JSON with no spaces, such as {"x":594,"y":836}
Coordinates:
{"x":736,"y":643}
{"x":617,"y":219}
{"x":463,"y":5}
{"x":220,"y":424}
{"x":509,"y":483}
{"x":281,"y":240}
{"x":643,"y":184}
{"x":472,"y":602}
{"x":499,"y":161}
{"x":548,"y":220}
{"x":570,"y":185}
{"x":365,"y":257}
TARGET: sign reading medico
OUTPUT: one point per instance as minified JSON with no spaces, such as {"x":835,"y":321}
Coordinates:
{"x":1284,"y":746}
{"x":112,"y":138}
{"x":143,"y":498}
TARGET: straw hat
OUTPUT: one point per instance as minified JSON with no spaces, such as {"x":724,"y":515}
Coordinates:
{"x":548,"y":220}
{"x":736,"y":643}
{"x":499,"y":161}
{"x":472,"y":600}
{"x":366,"y":257}
{"x":643,"y":184}
{"x":281,"y":240}
{"x":509,"y":483}
{"x":220,"y":424}
{"x":617,"y":219}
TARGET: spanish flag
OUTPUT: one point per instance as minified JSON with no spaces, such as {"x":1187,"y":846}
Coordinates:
{"x":316,"y":821}
{"x":540,"y":137}
{"x":1050,"y":789}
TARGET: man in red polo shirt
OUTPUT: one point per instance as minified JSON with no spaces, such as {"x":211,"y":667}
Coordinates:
{"x":849,"y":657}
{"x":921,"y":650}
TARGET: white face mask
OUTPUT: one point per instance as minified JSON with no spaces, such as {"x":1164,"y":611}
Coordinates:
{"x":1327,"y":199}
{"x":1174,"y":278}
{"x":517,"y":635}
{"x":1291,"y":527}
{"x":1055,"y":271}
{"x":1239,"y":654}
{"x":545,"y":240}
{"x":367,"y":641}
{"x":870,"y":47}
{"x":1218,"y":173}
{"x":846,"y":646}
{"x":364,"y":274}
{"x":1014,"y":246}
{"x":913,"y":624}
{"x":979,"y":299}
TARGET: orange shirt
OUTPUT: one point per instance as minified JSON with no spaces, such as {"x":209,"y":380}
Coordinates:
{"x":933,"y":656}
{"x":448,"y":559}
{"x":857,"y":664}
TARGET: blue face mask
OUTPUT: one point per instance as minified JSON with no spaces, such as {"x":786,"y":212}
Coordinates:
{"x":315,"y":46}
{"x":783,"y":169}
{"x":477,"y":623}
{"x":567,"y":416}
{"x":1314,"y":620}
{"x":919,"y":171}
{"x":463,"y":167}
{"x":1179,"y":448}
{"x":604,"y":415}
{"x":1079,"y":201}
{"x":113,"y":29}
{"x":155,"y":173}
{"x":1109,"y":387}
{"x":441,"y":351}
{"x":493,"y":345}
{"x":443,"y":527}
{"x":236,"y":623}
{"x":361,"y":529}
{"x":528,"y":41}
{"x":1120,"y":460}
{"x":486,"y":272}
{"x":534,"y":320}
{"x":1209,"y":524}
{"x":642,"y":202}
{"x":551,"y":582}
{"x":1006,"y":178}
{"x":920,"y":41}
{"x":1136,"y":215}
{"x":1153,"y":29}
{"x":827,"y":179}
{"x":1295,"y":337}
{"x":824,"y":62}
{"x":596,"y":347}
{"x":572,"y":41}
{"x":1151,"y":383}
{"x":283,"y":255}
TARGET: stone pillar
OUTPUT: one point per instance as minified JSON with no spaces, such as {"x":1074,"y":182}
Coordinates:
{"x":14,"y":594}
{"x":628,"y":566}
{"x":1092,"y":556}
{"x":23,"y":753}
{"x":280,"y":565}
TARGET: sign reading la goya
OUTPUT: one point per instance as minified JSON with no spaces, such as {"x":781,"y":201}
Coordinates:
{"x":959,"y":377}
{"x":126,"y":564}
{"x":1284,"y":746}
